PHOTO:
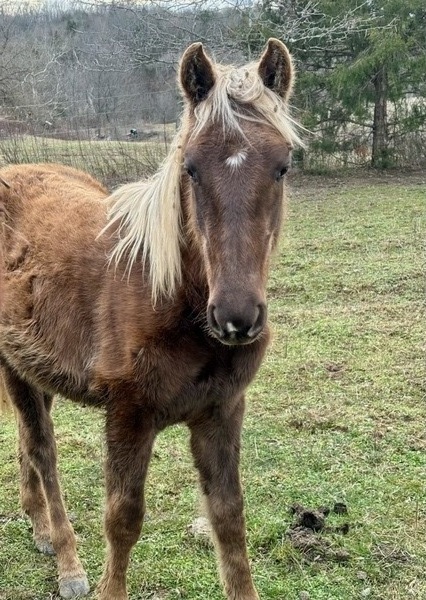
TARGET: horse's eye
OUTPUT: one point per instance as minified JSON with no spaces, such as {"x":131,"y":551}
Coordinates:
{"x":191,"y":172}
{"x":281,"y":173}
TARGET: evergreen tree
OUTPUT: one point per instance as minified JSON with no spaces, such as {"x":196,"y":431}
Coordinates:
{"x":357,"y":59}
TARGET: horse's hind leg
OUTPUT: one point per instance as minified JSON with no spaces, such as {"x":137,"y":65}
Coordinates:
{"x":38,"y":446}
{"x":33,"y":500}
{"x":215,"y":444}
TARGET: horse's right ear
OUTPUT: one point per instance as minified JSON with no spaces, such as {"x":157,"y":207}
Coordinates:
{"x":196,"y":74}
{"x":276,"y":68}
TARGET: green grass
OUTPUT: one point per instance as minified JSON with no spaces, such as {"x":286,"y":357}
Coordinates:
{"x":337,"y":413}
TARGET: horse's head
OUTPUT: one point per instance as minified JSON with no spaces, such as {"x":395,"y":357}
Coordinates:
{"x":235,"y":157}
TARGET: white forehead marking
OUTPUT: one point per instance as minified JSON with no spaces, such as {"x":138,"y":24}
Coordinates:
{"x":236,"y":160}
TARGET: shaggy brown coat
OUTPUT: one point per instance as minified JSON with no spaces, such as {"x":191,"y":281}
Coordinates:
{"x":152,"y":351}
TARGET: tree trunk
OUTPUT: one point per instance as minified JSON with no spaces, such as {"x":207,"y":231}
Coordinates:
{"x":380,"y":155}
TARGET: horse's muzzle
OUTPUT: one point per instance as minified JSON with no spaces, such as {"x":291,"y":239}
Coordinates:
{"x":233,"y":327}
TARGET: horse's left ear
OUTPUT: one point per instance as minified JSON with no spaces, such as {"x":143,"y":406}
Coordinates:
{"x":276,"y":68}
{"x":196,"y":73}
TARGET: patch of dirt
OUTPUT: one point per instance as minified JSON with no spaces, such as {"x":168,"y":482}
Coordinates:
{"x":334,"y":370}
{"x":159,"y":595}
{"x":306,"y":533}
{"x":390,"y":554}
{"x":312,"y":424}
{"x":201,"y":530}
{"x":5,"y":519}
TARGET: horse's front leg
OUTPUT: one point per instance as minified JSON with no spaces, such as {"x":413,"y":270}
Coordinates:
{"x":215,"y":444}
{"x":130,"y":436}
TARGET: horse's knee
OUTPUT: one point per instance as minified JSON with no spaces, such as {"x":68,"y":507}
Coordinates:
{"x":123,"y":519}
{"x":222,"y":506}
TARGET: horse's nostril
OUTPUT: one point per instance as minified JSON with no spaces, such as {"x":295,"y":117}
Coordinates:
{"x":212,"y":320}
{"x":259,"y":323}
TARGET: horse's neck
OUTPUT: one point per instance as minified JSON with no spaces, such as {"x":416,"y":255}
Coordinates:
{"x":193,"y":272}
{"x":193,"y":275}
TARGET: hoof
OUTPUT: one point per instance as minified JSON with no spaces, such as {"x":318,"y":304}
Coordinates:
{"x":74,"y":587}
{"x":45,"y":547}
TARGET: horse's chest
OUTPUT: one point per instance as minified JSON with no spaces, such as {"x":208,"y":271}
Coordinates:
{"x":185,"y":383}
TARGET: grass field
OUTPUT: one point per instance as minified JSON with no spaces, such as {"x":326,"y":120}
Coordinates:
{"x":110,"y":161}
{"x":337,"y":414}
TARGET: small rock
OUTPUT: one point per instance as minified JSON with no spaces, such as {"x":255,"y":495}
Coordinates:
{"x":366,"y":592}
{"x":362,"y":576}
{"x":304,"y":595}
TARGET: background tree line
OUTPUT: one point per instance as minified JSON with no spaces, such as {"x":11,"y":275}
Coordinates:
{"x":97,"y":70}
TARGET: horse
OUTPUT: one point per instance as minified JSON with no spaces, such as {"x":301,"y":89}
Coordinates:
{"x":149,"y":303}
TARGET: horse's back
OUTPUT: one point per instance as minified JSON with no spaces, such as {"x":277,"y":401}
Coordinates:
{"x":51,"y":216}
{"x":52,"y":261}
{"x":37,"y":200}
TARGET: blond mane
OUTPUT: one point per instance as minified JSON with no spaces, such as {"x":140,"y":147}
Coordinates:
{"x":148,"y":213}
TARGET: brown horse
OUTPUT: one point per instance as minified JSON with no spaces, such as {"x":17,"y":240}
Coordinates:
{"x":149,"y":303}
